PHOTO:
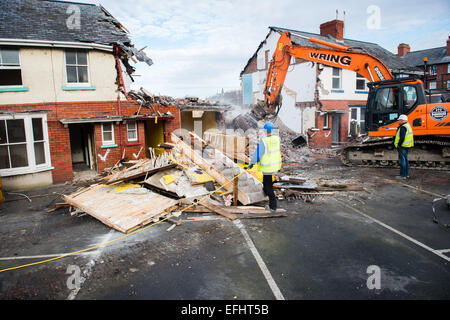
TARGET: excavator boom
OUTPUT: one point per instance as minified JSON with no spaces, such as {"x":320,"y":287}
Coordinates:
{"x":387,"y":99}
{"x":335,"y":55}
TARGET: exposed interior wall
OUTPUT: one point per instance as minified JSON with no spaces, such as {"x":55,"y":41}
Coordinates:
{"x":207,"y":121}
{"x":154,"y":136}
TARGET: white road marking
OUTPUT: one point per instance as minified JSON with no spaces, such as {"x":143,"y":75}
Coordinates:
{"x":443,"y":250}
{"x":421,"y":190}
{"x":273,"y":286}
{"x":436,"y":252}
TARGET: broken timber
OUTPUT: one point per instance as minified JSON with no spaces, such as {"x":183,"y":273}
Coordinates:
{"x":142,"y":168}
{"x":218,"y":209}
{"x":223,"y":169}
{"x":123,"y":211}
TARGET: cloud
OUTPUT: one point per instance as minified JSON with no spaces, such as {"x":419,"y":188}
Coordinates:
{"x":200,"y":47}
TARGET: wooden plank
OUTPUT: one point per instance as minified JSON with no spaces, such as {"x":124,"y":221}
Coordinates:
{"x":208,"y":168}
{"x":235,"y":210}
{"x":243,"y":216}
{"x":122,"y":211}
{"x":219,"y":210}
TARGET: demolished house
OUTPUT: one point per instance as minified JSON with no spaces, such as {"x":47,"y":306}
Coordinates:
{"x":65,"y":69}
{"x":319,"y":101}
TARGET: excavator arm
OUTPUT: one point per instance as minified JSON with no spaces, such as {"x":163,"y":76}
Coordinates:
{"x":335,"y":55}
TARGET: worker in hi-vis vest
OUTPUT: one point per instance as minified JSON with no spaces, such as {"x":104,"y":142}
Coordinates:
{"x":404,"y":140}
{"x":268,"y":158}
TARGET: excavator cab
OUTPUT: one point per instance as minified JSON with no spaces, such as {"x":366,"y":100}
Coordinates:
{"x":389,"y":99}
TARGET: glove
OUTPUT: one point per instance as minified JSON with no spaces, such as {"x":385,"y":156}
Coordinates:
{"x":250,"y":166}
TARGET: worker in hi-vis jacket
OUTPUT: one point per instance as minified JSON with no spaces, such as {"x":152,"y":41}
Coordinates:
{"x":404,"y":140}
{"x":268,"y":158}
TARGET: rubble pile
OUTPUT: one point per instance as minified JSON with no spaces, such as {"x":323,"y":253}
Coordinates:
{"x":143,"y":97}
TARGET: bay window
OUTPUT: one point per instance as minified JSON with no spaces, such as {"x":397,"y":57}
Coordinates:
{"x":24,"y":144}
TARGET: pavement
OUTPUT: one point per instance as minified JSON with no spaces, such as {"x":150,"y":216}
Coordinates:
{"x":380,"y":243}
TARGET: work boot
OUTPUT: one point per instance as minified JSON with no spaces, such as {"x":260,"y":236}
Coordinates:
{"x":400,"y":177}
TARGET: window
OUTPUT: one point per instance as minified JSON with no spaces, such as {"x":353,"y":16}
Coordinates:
{"x":409,"y":98}
{"x":448,"y":68}
{"x":132,"y":131}
{"x":358,"y":114}
{"x":23,"y":144}
{"x":433,"y":70}
{"x":108,"y":133}
{"x":76,"y":67}
{"x":448,"y":84}
{"x":325,"y":120}
{"x":432,"y":84}
{"x":10,"y":71}
{"x":387,"y":99}
{"x":360,"y":82}
{"x":337,"y":78}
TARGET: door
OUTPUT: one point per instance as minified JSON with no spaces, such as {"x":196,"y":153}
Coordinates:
{"x":335,"y":128}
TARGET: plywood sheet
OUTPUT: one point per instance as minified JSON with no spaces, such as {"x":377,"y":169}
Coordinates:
{"x":124,"y":209}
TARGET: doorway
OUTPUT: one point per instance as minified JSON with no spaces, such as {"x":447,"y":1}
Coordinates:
{"x":335,"y":128}
{"x":154,"y":136}
{"x":82,"y":146}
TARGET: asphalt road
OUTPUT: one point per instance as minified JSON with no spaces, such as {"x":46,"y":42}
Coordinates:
{"x":327,"y":249}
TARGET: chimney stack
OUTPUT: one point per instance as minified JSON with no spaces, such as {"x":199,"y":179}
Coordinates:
{"x":403,"y":49}
{"x":448,"y":46}
{"x":334,"y":28}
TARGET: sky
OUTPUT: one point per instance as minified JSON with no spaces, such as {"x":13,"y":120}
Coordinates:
{"x":199,"y":47}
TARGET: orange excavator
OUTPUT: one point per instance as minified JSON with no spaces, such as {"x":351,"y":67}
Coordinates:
{"x":388,"y":98}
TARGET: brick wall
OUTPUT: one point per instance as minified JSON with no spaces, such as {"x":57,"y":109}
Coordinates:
{"x":59,"y":138}
{"x":323,"y":137}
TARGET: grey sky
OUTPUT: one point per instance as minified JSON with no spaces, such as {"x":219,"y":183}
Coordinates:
{"x":199,"y":47}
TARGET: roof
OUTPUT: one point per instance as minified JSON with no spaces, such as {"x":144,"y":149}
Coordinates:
{"x":46,"y":20}
{"x":434,"y":55}
{"x":392,"y":61}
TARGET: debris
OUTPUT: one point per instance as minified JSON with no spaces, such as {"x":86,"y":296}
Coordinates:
{"x":57,"y":206}
{"x":123,"y":212}
{"x":141,"y":168}
{"x":221,"y":168}
{"x":218,"y":209}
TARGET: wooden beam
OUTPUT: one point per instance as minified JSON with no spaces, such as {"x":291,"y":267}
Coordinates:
{"x":209,"y":168}
{"x":217,"y":209}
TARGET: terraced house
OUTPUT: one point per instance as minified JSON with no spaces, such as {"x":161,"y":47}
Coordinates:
{"x":319,"y":101}
{"x":64,"y":73}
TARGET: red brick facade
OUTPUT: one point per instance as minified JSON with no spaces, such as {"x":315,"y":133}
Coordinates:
{"x":59,"y":139}
{"x":332,"y":108}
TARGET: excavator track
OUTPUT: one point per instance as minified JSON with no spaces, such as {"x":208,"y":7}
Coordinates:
{"x":429,"y":152}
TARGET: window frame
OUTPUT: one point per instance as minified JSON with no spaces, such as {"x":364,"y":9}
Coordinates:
{"x":135,"y":129}
{"x":326,"y":121}
{"x":339,"y":77}
{"x":361,"y":123}
{"x":108,"y":142}
{"x":29,"y":142}
{"x":77,"y":84}
{"x":433,"y":70}
{"x":18,"y":67}
{"x":360,"y":77}
{"x":432,"y":82}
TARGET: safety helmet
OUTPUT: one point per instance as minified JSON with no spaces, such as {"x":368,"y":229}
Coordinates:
{"x":269,"y":126}
{"x":403,"y":117}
